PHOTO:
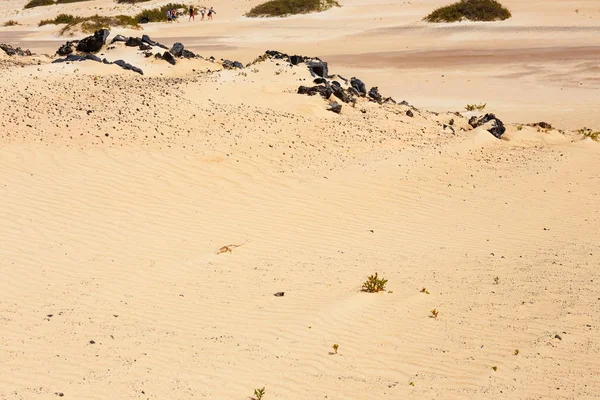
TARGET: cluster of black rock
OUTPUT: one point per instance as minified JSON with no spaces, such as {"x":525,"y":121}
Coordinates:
{"x":326,"y":85}
{"x":14,"y":51}
{"x":497,"y":127}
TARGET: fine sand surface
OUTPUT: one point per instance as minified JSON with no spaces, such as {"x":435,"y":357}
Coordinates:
{"x":119,"y":190}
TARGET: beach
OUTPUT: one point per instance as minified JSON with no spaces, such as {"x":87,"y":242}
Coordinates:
{"x":148,"y":219}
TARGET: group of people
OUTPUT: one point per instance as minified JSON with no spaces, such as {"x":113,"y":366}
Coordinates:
{"x":172,"y":14}
{"x":203,"y":11}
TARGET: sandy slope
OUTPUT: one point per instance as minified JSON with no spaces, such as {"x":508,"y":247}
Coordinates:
{"x":114,"y":240}
{"x":547,"y":53}
{"x":118,"y":191}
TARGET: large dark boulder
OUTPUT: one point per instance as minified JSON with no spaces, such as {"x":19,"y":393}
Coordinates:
{"x":177,"y":49}
{"x":318,"y":68}
{"x":133,"y":42}
{"x":342,"y":94}
{"x":228,"y":64}
{"x":497,"y":128}
{"x":146,"y":39}
{"x":188,"y":54}
{"x":93,"y":44}
{"x":359,"y":86}
{"x":374,"y":94}
{"x":295,"y":60}
{"x":118,"y":38}
{"x":168,"y":57}
{"x":324,"y":91}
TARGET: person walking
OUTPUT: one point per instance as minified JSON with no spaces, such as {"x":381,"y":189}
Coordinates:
{"x":202,"y":12}
{"x":168,"y":15}
{"x":210,"y":13}
{"x":192,"y":14}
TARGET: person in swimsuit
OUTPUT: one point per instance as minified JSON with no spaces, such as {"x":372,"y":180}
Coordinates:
{"x":210,"y":13}
{"x":168,"y":15}
{"x":202,"y":12}
{"x":192,"y":14}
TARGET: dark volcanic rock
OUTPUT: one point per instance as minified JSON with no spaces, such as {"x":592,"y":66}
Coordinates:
{"x":65,"y":49}
{"x":188,"y":54}
{"x":118,"y":38}
{"x":75,"y":57}
{"x":94,"y":43}
{"x":128,"y":66}
{"x":359,"y":86}
{"x":168,"y":57}
{"x":146,"y":39}
{"x":374,"y":94}
{"x":133,"y":42}
{"x":410,"y":113}
{"x":320,"y":81}
{"x":177,"y":49}
{"x":324,"y":91}
{"x":497,"y":128}
{"x":342,"y":94}
{"x":228,"y":64}
{"x":12,"y":51}
{"x":335,"y":107}
{"x":318,"y":68}
{"x":277,"y":55}
{"x":295,"y":60}
{"x":145,"y":47}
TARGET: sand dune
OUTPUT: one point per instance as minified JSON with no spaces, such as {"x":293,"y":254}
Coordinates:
{"x":118,"y":190}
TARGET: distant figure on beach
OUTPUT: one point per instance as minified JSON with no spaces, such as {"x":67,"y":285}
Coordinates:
{"x":202,"y":12}
{"x":210,"y":13}
{"x":192,"y":14}
{"x":168,"y":15}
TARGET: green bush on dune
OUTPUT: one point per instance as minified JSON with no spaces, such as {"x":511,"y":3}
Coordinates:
{"x":60,"y":19}
{"x":68,"y":1}
{"x":472,"y":10}
{"x":131,"y":1}
{"x":159,"y":14}
{"x":38,"y":3}
{"x":282,"y":8}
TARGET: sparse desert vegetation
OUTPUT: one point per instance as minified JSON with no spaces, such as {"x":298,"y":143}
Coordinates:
{"x":39,"y":3}
{"x":473,"y":107}
{"x":258,"y":394}
{"x":335,"y":348}
{"x":472,"y":10}
{"x":159,"y":14}
{"x":586,"y":132}
{"x":434,"y":313}
{"x":373,"y":284}
{"x":282,"y":8}
{"x":93,"y":23}
{"x":11,"y":23}
{"x":60,"y":19}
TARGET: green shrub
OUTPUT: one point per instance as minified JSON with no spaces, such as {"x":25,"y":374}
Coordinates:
{"x":473,"y":107}
{"x":258,"y":394}
{"x":159,"y":14}
{"x":11,"y":23}
{"x":473,"y":10}
{"x":68,"y":1}
{"x":373,"y":284}
{"x":60,"y":19}
{"x":281,"y":8}
{"x":38,"y":3}
{"x":131,"y":1}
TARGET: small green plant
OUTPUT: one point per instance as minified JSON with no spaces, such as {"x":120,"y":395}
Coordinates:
{"x":411,"y":383}
{"x":473,"y":10}
{"x":473,"y":107}
{"x":335,"y":348}
{"x":586,"y":132}
{"x":39,"y":3}
{"x":495,"y":368}
{"x":520,"y":127}
{"x":434,"y":313}
{"x":258,"y":394}
{"x":373,"y":284}
{"x":496,"y":280}
{"x":516,"y":352}
{"x":424,"y":290}
{"x":11,"y":23}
